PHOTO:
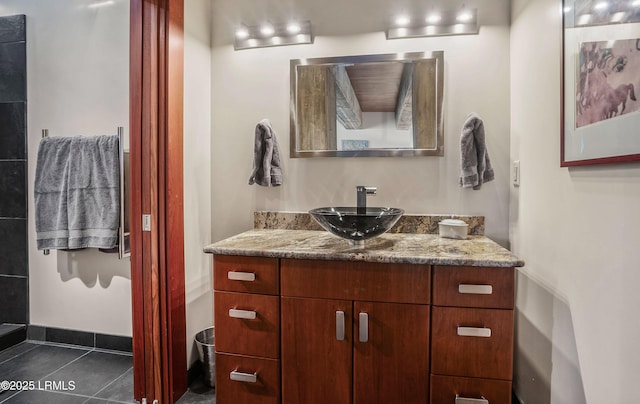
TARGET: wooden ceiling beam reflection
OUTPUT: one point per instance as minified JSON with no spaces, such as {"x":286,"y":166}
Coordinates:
{"x":404,"y":104}
{"x":348,"y":109}
{"x":376,"y":84}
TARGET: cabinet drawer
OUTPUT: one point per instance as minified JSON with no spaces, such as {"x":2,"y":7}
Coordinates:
{"x":246,"y":274}
{"x":247,"y":324}
{"x":356,"y":280}
{"x":473,"y":287}
{"x":472,"y":342}
{"x":445,"y":389}
{"x":247,"y":380}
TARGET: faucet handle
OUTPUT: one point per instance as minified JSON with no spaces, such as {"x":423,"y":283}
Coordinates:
{"x":367,"y":190}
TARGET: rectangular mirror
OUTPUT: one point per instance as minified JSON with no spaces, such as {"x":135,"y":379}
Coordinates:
{"x":368,"y":106}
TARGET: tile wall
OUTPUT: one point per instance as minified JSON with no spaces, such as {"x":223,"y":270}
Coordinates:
{"x":14,"y":268}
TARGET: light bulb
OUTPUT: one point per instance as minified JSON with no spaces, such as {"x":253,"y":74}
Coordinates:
{"x":267,"y":30}
{"x":402,"y":20}
{"x":293,"y":28}
{"x":242,"y":33}
{"x":465,"y":16}
{"x":434,"y":18}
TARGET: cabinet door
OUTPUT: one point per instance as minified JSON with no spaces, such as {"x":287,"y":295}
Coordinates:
{"x":316,"y":351}
{"x":391,"y":353}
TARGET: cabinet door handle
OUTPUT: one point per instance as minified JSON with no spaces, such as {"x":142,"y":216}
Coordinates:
{"x":244,"y":314}
{"x":340,"y":325}
{"x":475,"y":289}
{"x":243,"y":377}
{"x":465,"y":400}
{"x":474,"y":332}
{"x":363,"y":334}
{"x":241,"y":276}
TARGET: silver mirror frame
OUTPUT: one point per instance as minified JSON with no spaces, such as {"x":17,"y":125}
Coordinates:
{"x":438,"y":150}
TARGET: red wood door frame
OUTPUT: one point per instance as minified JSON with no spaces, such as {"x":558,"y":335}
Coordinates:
{"x":157,"y":254}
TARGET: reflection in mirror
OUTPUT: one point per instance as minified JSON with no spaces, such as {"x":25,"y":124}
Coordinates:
{"x":374,"y":105}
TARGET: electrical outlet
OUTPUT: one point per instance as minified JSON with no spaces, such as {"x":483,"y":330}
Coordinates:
{"x":516,"y":173}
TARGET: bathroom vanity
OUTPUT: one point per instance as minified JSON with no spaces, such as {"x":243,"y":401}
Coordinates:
{"x":301,"y":317}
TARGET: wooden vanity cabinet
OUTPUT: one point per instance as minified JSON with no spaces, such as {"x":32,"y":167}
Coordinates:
{"x":297,"y":331}
{"x":354,"y":332}
{"x":472,"y":335}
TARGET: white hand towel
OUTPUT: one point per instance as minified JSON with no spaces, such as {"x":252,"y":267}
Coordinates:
{"x":474,"y":158}
{"x":266,"y":157}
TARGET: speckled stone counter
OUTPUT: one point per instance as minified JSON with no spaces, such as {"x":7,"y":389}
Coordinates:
{"x":388,"y":248}
{"x":408,"y":223}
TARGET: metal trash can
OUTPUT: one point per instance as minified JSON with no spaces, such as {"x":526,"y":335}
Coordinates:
{"x":206,"y":350}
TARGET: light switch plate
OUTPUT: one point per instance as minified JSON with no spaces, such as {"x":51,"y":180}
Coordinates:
{"x":516,"y":173}
{"x":146,"y":222}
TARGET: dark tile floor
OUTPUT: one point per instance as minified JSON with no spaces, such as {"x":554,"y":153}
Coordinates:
{"x":198,"y":393}
{"x":65,"y":374}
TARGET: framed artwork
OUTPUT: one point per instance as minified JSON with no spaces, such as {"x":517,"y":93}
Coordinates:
{"x":600,"y":82}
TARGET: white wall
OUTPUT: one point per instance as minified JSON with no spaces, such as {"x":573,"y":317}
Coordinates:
{"x":77,"y":84}
{"x":253,"y":84}
{"x":577,"y":330}
{"x":197,"y":168}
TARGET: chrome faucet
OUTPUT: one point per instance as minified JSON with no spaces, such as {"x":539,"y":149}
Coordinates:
{"x":362,"y":191}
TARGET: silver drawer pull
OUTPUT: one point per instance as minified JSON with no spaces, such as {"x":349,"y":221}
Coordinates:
{"x":243,"y":377}
{"x":340,"y":325}
{"x":241,"y":276}
{"x":474,"y":332}
{"x":244,"y":314}
{"x":475,"y":289}
{"x":364,"y":327}
{"x":465,"y":400}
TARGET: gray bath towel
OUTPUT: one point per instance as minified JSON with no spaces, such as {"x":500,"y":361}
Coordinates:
{"x":266,"y":157}
{"x":474,"y":158}
{"x":77,"y":188}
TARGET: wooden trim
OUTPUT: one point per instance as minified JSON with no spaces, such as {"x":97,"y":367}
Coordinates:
{"x":174,"y":243}
{"x":135,"y":196}
{"x":160,"y":363}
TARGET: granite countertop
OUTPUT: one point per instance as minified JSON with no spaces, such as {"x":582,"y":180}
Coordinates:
{"x":410,"y":248}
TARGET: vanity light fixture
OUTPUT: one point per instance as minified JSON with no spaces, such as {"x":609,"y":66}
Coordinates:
{"x":437,"y":24}
{"x":606,"y":12}
{"x":273,"y":34}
